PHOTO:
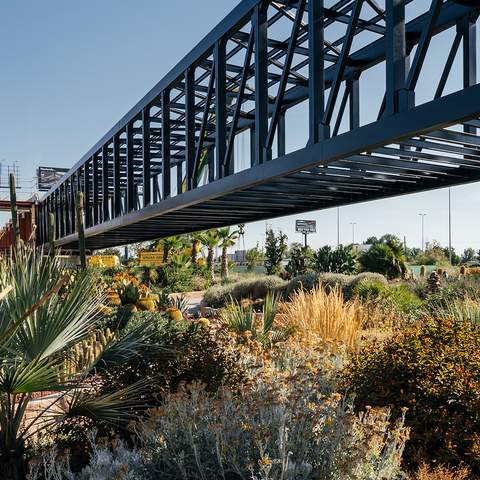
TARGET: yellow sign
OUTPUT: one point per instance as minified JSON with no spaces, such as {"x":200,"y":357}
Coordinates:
{"x":146,"y":259}
{"x":104,"y":261}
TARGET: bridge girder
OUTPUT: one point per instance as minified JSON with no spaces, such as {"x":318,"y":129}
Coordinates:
{"x":169,"y":165}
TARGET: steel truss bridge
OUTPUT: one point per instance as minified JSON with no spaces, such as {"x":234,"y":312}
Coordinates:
{"x":169,"y":165}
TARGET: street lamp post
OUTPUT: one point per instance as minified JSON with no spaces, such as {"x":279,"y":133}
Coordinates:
{"x":353,"y":232}
{"x":338,"y":227}
{"x":450,"y":225}
{"x":423,"y":215}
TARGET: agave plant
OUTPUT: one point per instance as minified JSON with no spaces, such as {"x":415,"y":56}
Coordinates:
{"x":243,"y":320}
{"x":44,"y":313}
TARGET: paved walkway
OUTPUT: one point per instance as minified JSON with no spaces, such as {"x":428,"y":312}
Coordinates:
{"x":194,"y":299}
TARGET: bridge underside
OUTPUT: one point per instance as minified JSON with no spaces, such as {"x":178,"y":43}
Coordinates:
{"x":338,"y":172}
{"x":171,"y":166}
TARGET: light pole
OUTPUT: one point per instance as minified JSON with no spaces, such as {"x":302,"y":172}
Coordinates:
{"x":423,"y":215}
{"x":353,"y":232}
{"x":450,"y":225}
{"x":338,"y":227}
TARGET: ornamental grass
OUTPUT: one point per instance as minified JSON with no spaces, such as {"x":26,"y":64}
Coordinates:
{"x":326,"y":315}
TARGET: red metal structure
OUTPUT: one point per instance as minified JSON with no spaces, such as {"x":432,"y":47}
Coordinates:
{"x":26,"y":221}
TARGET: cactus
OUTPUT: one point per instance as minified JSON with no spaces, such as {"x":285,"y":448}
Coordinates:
{"x":423,"y":271}
{"x":84,"y":354}
{"x":81,"y":230}
{"x":433,"y":283}
{"x":51,"y":234}
{"x":13,"y":206}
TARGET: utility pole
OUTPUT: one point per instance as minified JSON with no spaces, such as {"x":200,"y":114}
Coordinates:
{"x":423,"y":215}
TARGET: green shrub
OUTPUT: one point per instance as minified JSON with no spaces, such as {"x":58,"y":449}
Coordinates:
{"x":347,"y":283}
{"x":179,"y":352}
{"x":404,"y":300}
{"x":364,"y":277}
{"x":340,"y":260}
{"x":433,"y":369}
{"x":307,"y":282}
{"x":300,"y":262}
{"x":217,"y":296}
{"x":275,"y":251}
{"x":266,"y":285}
{"x":333,"y":280}
{"x":274,"y":429}
{"x":385,"y":259}
{"x":256,"y":287}
{"x":368,"y":290}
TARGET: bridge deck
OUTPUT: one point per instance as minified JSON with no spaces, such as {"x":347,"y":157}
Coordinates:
{"x":244,"y":77}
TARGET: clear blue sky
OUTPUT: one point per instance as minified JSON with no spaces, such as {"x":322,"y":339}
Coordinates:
{"x":70,"y":70}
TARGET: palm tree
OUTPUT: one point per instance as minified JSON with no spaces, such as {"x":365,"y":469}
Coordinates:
{"x":210,"y":240}
{"x":227,"y":239}
{"x":171,"y":244}
{"x":195,"y":239}
{"x":45,"y":312}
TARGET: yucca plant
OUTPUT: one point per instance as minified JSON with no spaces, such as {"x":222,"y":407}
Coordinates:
{"x":44,"y":313}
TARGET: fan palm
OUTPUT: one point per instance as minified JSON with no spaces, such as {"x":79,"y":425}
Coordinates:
{"x":170,"y":244}
{"x":195,"y":239}
{"x":44,"y":313}
{"x":210,"y":240}
{"x":227,"y":239}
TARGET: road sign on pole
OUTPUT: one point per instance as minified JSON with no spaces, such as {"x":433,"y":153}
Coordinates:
{"x":306,"y":227}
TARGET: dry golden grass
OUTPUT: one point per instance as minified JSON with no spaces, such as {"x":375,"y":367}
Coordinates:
{"x":441,"y":473}
{"x":326,"y":315}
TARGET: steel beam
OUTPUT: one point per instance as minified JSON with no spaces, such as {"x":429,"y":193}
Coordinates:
{"x":220,"y":62}
{"x":146,"y":157}
{"x":190,"y":127}
{"x":131,"y":197}
{"x":396,"y":56}
{"x":95,"y":184}
{"x":105,"y":179}
{"x":117,"y":194}
{"x":260,"y":25}
{"x":166,"y":139}
{"x":316,"y":83}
